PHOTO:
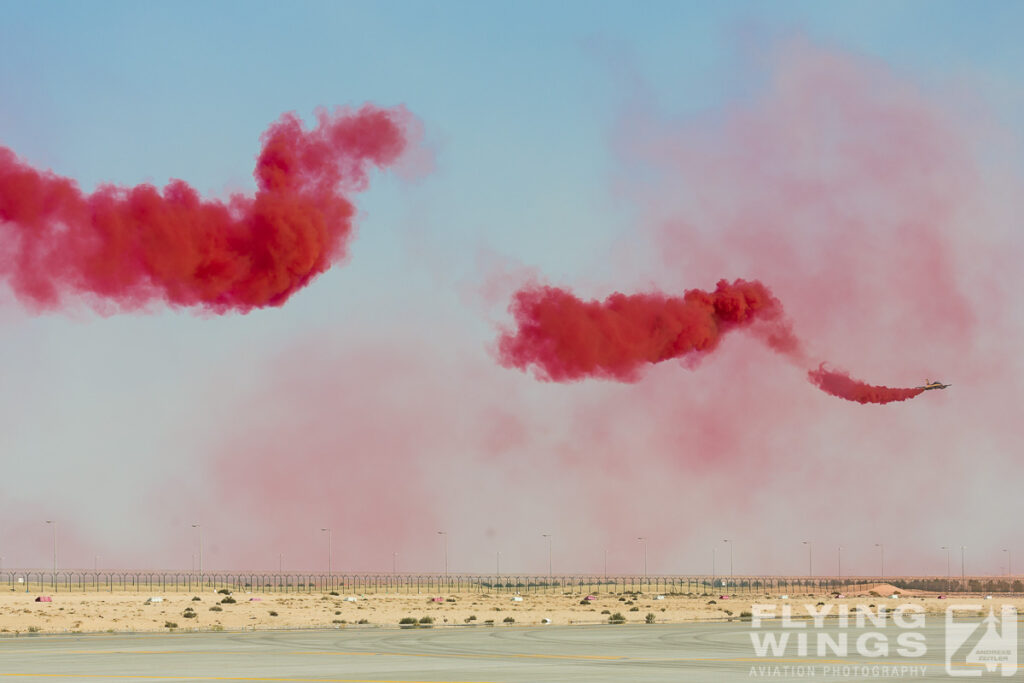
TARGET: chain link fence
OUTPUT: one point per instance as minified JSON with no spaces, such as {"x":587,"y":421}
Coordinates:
{"x":290,"y":582}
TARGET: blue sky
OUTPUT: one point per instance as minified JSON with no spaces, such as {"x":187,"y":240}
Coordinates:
{"x":519,"y":102}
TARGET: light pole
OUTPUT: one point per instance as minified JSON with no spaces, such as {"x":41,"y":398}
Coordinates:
{"x":729,"y":541}
{"x":963,"y":567}
{"x":445,"y":534}
{"x":394,"y":563}
{"x":949,"y":577}
{"x":330,"y":551}
{"x":54,"y":523}
{"x":810,"y":558}
{"x":280,"y":563}
{"x":199,"y":526}
{"x":713,"y":551}
{"x":963,"y":571}
{"x":606,"y":565}
{"x":497,"y":563}
{"x":881,"y":552}
{"x":643,"y":540}
{"x":548,"y":536}
{"x":839,"y":563}
{"x":1009,"y":562}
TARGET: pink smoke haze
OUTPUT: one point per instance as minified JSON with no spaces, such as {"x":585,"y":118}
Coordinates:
{"x":875,"y":213}
{"x":857,"y":196}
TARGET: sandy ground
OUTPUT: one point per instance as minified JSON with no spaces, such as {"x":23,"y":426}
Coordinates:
{"x":120,"y":612}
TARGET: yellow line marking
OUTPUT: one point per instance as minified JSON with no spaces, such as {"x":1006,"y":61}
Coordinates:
{"x":232,"y":678}
{"x":468,"y":655}
{"x":512,"y":655}
{"x":509,"y":655}
{"x":770,"y":660}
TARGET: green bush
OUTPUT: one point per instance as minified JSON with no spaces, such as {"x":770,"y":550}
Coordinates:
{"x":228,"y":600}
{"x":188,"y":613}
{"x":606,"y":611}
{"x":196,"y":599}
{"x":649,"y":619}
{"x":363,"y":621}
{"x":617,"y":618}
{"x":426,"y":620}
{"x":273,"y":613}
{"x":333,"y":593}
{"x":216,"y":608}
{"x":404,"y":621}
{"x":224,"y":591}
{"x":509,"y":620}
{"x":170,"y":624}
{"x":634,"y":608}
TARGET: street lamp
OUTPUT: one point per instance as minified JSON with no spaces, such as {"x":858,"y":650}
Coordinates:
{"x":1009,"y":562}
{"x":330,"y":551}
{"x":963,"y":571}
{"x":949,"y":577}
{"x":810,"y":558}
{"x":548,"y":536}
{"x":394,"y":563}
{"x":881,"y":552}
{"x":729,"y":541}
{"x":198,"y":526}
{"x":839,"y":563}
{"x":497,"y":563}
{"x":713,"y":572}
{"x":644,"y":541}
{"x":445,"y":534}
{"x":54,"y":523}
{"x":606,"y":565}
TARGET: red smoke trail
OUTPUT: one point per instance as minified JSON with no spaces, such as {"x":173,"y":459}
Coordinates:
{"x":568,"y":339}
{"x":134,"y":245}
{"x":842,"y":385}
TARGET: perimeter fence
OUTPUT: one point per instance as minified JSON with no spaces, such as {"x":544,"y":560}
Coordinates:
{"x":301,"y":582}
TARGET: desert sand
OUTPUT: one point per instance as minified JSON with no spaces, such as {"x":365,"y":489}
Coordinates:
{"x":127,"y":612}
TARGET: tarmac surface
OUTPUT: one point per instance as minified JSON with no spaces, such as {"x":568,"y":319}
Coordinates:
{"x":507,"y":654}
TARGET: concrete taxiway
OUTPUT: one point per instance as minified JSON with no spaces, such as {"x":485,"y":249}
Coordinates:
{"x":720,"y":652}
